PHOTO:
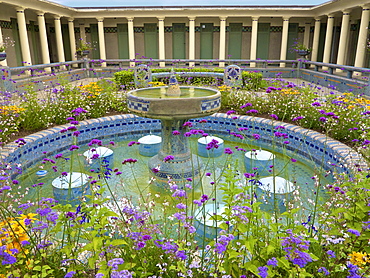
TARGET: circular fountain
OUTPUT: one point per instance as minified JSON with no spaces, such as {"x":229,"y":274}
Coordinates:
{"x":174,"y":105}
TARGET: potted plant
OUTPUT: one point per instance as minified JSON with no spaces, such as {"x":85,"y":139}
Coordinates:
{"x":301,"y":49}
{"x":83,"y":48}
{"x":3,"y":46}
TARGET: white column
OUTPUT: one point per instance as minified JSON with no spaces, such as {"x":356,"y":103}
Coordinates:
{"x":328,"y":40}
{"x":284,"y":40}
{"x":82,"y":31}
{"x":343,"y":39}
{"x":25,"y":48}
{"x":43,"y":38}
{"x":102,"y":52}
{"x":2,"y":63}
{"x":306,"y":35}
{"x":362,"y":37}
{"x":161,"y":41}
{"x":254,"y":34}
{"x":191,"y":40}
{"x":72,"y":38}
{"x":131,"y":40}
{"x":59,"y":39}
{"x":222,"y":41}
{"x":315,"y":43}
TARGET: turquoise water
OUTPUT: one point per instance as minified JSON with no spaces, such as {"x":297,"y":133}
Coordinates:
{"x":134,"y":180}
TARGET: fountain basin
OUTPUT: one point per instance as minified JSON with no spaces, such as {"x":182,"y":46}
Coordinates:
{"x":194,"y":102}
{"x":71,"y":188}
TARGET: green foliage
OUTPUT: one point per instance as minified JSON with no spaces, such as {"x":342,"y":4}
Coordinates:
{"x":252,"y":80}
{"x":125,"y":79}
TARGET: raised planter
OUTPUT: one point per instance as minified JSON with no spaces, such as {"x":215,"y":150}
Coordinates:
{"x":2,"y":56}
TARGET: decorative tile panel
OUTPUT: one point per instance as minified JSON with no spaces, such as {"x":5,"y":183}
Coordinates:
{"x":247,"y":29}
{"x":110,"y":29}
{"x":211,"y":104}
{"x":5,"y":24}
{"x":275,"y":29}
{"x":138,"y":105}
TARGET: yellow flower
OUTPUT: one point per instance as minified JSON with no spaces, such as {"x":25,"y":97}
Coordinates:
{"x":358,"y":258}
{"x":10,"y":109}
{"x":290,"y":92}
{"x":351,"y":106}
{"x":29,"y":216}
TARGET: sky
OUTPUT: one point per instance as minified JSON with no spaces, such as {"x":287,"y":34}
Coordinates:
{"x":123,"y":3}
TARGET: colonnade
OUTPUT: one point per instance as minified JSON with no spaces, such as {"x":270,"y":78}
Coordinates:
{"x":342,"y":48}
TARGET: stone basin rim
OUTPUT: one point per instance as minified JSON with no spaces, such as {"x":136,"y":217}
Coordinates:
{"x":216,"y":93}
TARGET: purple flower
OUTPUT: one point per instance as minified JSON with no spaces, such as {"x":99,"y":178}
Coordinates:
{"x":70,"y":274}
{"x":129,"y":160}
{"x":228,"y":151}
{"x":293,"y":160}
{"x":78,"y":111}
{"x":176,"y":132}
{"x":168,"y":158}
{"x":181,"y":206}
{"x":74,"y":147}
{"x":322,"y":119}
{"x":297,"y":118}
{"x":246,"y":105}
{"x":181,"y":255}
{"x":189,"y":124}
{"x":95,"y":142}
{"x":331,"y":253}
{"x":230,"y":112}
{"x":324,"y":271}
{"x":114,"y":263}
{"x":133,"y":143}
{"x":275,"y":117}
{"x":262,"y":271}
{"x":316,"y":104}
{"x":272,"y":262}
{"x":353,"y":231}
{"x":256,"y":136}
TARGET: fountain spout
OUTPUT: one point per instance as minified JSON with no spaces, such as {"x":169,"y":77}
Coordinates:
{"x":173,"y":87}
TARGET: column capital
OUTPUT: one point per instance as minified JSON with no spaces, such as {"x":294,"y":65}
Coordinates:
{"x":223,"y":18}
{"x":56,"y":17}
{"x":286,"y":18}
{"x":130,"y":19}
{"x":20,"y":9}
{"x":160,"y":18}
{"x":318,"y":18}
{"x":191,"y":18}
{"x":346,"y":11}
{"x":100,"y":19}
{"x":330,"y":15}
{"x":40,"y":13}
{"x":255,"y":18}
{"x":71,"y":19}
{"x":365,"y":7}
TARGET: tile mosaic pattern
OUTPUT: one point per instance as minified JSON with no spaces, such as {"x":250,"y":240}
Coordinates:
{"x":304,"y":143}
{"x":301,"y":29}
{"x":138,"y":105}
{"x":138,"y":29}
{"x":211,"y":104}
{"x":275,"y":29}
{"x":247,"y":29}
{"x":5,"y":24}
{"x":110,"y":29}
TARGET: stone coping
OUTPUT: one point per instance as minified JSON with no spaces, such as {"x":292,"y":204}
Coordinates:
{"x":303,"y":143}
